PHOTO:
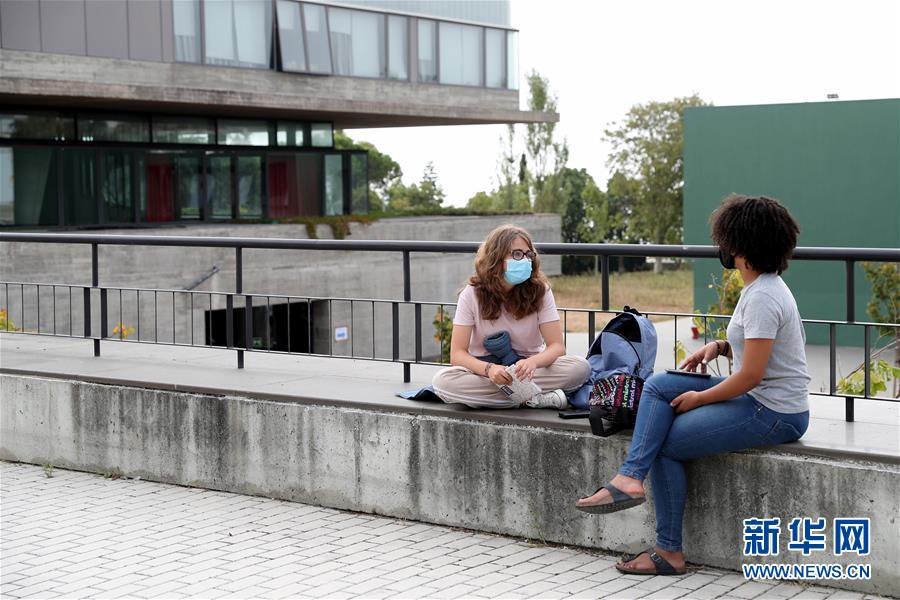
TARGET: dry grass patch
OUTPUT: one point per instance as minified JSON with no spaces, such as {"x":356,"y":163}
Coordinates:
{"x":670,"y":291}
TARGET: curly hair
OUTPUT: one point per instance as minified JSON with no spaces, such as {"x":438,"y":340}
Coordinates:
{"x":757,"y":228}
{"x":490,"y":263}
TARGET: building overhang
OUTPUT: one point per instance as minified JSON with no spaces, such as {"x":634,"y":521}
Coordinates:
{"x":35,"y":79}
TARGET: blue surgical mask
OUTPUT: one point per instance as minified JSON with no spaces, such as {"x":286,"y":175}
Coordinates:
{"x":517,"y":271}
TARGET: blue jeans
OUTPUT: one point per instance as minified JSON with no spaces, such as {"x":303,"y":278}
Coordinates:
{"x":662,"y":441}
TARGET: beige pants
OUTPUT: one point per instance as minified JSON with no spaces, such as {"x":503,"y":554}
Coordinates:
{"x":460,"y":385}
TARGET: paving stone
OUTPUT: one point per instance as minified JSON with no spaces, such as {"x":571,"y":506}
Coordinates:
{"x":77,"y":535}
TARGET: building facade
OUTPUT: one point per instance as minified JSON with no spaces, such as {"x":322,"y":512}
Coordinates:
{"x":147,"y":112}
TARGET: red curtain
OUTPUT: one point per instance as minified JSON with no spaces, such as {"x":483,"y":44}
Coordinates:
{"x":160,"y":193}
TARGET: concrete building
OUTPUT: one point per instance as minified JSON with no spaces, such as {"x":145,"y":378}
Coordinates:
{"x":126,"y":112}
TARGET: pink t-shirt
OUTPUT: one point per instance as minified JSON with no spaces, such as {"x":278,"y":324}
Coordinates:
{"x":524,"y":333}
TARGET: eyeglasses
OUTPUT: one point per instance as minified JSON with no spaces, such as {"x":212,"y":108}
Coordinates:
{"x":519,"y":255}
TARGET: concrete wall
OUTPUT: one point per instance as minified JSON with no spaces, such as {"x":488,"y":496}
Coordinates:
{"x":500,"y":478}
{"x":301,"y":274}
{"x":31,"y":78}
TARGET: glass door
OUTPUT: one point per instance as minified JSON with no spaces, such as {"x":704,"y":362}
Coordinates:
{"x":116,"y":185}
{"x":173,"y":186}
{"x":250,"y":185}
{"x":219,"y":185}
{"x":187,"y":185}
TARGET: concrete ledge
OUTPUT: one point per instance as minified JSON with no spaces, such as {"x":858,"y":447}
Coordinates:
{"x":510,"y":478}
{"x":87,"y":81}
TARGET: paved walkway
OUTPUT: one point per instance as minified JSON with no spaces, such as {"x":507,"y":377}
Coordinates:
{"x":76,"y":535}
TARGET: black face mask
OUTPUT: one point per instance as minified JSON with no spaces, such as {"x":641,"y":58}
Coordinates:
{"x":727,"y":260}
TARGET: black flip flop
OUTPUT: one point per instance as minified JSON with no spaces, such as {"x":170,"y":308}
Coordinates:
{"x":660,"y":565}
{"x":621,"y":501}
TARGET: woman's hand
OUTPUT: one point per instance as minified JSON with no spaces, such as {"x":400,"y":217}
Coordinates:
{"x":498,"y":375}
{"x":702,"y":356}
{"x":687,"y":401}
{"x":525,"y":368}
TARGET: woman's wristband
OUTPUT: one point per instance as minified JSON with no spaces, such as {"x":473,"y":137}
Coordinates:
{"x":723,"y":350}
{"x":487,"y":370}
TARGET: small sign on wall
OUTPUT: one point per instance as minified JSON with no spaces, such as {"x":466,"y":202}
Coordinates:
{"x":341,"y":334}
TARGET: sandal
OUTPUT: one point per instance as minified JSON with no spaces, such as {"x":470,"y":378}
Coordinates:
{"x":620,"y":501}
{"x":660,"y":565}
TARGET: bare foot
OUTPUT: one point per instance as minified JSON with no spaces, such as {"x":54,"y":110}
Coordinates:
{"x":643,"y":561}
{"x":632,"y":487}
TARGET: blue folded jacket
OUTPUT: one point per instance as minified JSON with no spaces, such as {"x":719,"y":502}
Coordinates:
{"x":500,"y":346}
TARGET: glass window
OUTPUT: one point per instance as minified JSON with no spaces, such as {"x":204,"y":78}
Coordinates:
{"x":187,"y":185}
{"x":512,"y":60}
{"x":460,"y":54}
{"x":359,"y":183}
{"x":494,"y":58}
{"x":398,"y":47}
{"x":245,"y":133}
{"x":294,"y":184}
{"x":79,"y":197}
{"x":186,"y":17}
{"x":291,"y":134}
{"x":219,"y":185}
{"x":7,"y":187}
{"x":140,"y":168}
{"x":249,"y":170}
{"x":113,"y":129}
{"x":28,"y":186}
{"x":37,"y":126}
{"x":237,"y":33}
{"x":357,"y":42}
{"x":427,"y":51}
{"x":184,"y":130}
{"x":334,"y":184}
{"x":317,"y":38}
{"x":321,"y":135}
{"x":290,"y":36}
{"x":116,"y":178}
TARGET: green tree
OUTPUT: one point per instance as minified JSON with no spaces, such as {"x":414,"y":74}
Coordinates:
{"x":570,"y":188}
{"x":547,"y":155}
{"x":512,"y":177}
{"x":647,"y":149}
{"x":384,"y":171}
{"x":426,"y":194}
{"x":481,"y":201}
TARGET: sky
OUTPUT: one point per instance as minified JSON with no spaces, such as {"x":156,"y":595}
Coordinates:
{"x":601,"y":57}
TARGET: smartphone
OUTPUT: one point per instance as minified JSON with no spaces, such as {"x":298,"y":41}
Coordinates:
{"x":575,"y":413}
{"x":690,"y":373}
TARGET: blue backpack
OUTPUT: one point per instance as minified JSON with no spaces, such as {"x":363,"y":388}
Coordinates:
{"x":621,"y":358}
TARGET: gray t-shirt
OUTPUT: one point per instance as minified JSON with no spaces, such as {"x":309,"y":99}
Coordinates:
{"x":767,"y":310}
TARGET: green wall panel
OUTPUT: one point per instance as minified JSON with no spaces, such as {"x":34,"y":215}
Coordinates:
{"x":835,"y":165}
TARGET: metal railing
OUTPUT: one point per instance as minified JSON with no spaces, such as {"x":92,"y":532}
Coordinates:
{"x":192,"y":300}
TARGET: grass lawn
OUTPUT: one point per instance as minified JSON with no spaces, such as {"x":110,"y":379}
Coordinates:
{"x":670,"y":291}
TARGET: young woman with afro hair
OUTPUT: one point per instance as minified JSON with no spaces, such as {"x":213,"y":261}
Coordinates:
{"x":764,"y":401}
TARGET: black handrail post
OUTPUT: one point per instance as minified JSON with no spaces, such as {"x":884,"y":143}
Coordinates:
{"x":867,"y":362}
{"x":95,"y":282}
{"x":832,"y":358}
{"x":407,"y":295}
{"x":851,"y":318}
{"x":604,"y":282}
{"x":395,"y":327}
{"x":238,"y":289}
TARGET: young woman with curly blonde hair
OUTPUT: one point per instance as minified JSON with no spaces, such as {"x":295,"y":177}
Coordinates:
{"x":508,"y":293}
